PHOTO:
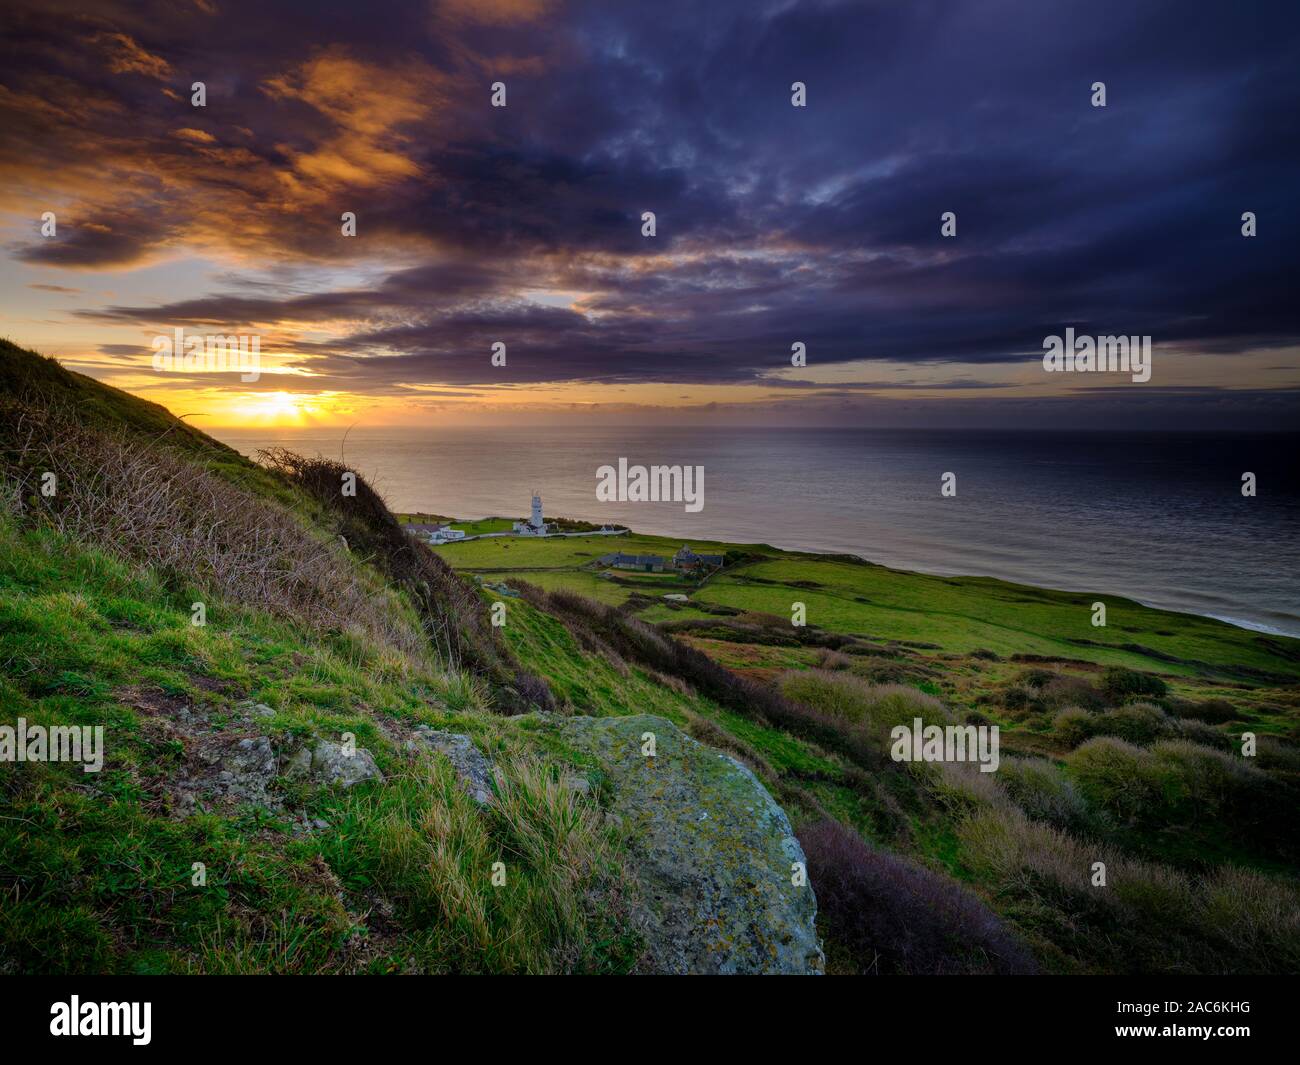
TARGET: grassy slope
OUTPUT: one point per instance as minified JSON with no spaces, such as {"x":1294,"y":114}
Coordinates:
{"x":925,"y":629}
{"x":97,"y":869}
{"x":99,"y":875}
{"x":805,"y":777}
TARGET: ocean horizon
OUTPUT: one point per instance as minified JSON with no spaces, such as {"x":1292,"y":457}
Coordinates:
{"x":1156,"y":517}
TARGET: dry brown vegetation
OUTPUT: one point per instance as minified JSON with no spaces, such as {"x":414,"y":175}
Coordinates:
{"x":154,"y":506}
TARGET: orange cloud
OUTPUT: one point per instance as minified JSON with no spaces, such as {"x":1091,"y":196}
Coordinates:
{"x":369,"y":104}
{"x":125,"y":56}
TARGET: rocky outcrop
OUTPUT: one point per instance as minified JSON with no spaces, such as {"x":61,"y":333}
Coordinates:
{"x":715,"y":856}
{"x":226,"y":769}
{"x":472,"y":767}
{"x":327,"y":762}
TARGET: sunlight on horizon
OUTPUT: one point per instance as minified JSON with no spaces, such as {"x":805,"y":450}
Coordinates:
{"x":277,"y":409}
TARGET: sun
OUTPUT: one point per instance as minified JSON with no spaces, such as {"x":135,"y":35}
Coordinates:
{"x":275,"y":408}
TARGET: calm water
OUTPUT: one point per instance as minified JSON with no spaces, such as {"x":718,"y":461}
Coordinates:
{"x":1159,"y":518}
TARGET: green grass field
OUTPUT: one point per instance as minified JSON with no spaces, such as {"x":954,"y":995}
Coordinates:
{"x":957,"y":615}
{"x":1148,"y":778}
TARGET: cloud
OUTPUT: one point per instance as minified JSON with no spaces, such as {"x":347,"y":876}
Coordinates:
{"x":125,"y":56}
{"x":820,"y":224}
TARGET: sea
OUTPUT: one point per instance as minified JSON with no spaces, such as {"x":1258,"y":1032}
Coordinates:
{"x":1157,"y":517}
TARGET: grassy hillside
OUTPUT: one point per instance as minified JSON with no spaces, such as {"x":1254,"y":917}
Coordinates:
{"x":98,"y":874}
{"x":1121,"y":744}
{"x":177,"y":856}
{"x":223,"y":619}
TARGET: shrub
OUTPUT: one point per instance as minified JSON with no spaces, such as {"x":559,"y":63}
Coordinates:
{"x":880,"y":913}
{"x":533,"y":691}
{"x":1150,"y":917}
{"x":1178,"y":781}
{"x":1073,"y":725}
{"x":1214,"y":780}
{"x":892,"y":671}
{"x":1121,"y":684}
{"x":672,"y":683}
{"x":1277,"y":755}
{"x":1035,"y":678}
{"x":1064,"y":690}
{"x":877,"y":707}
{"x":1041,"y":789}
{"x":963,"y":782}
{"x":1015,"y":698}
{"x":1255,"y":915}
{"x":1122,"y":778}
{"x":1211,"y":711}
{"x":1136,"y":722}
{"x":655,"y":650}
{"x":157,"y":506}
{"x":451,"y":610}
{"x":828,"y":659}
{"x":1200,"y":732}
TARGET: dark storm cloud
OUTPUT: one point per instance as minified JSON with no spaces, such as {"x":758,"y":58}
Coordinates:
{"x":775,"y":224}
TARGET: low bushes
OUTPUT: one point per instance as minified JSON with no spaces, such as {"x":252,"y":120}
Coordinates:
{"x":1147,"y":917}
{"x":1139,"y":723}
{"x":1121,"y":684}
{"x":158,"y":506}
{"x":828,"y":659}
{"x":878,"y":707}
{"x":1173,"y":781}
{"x":1073,"y":725}
{"x":1041,"y":789}
{"x":1041,"y":691}
{"x":1210,"y":711}
{"x":880,"y":913}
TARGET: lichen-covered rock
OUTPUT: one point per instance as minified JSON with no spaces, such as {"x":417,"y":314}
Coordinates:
{"x":714,"y":854}
{"x":329,"y":763}
{"x":470,"y":764}
{"x":249,"y":708}
{"x":226,"y":769}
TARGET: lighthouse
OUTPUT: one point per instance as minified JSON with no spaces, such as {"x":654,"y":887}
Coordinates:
{"x":534,"y":526}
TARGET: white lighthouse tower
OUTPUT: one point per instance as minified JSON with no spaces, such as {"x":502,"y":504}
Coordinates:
{"x":535,"y":525}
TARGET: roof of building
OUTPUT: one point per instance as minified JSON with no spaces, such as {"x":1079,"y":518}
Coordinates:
{"x":618,"y":558}
{"x":685,"y":554}
{"x":704,"y":560}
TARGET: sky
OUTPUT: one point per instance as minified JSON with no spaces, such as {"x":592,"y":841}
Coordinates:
{"x":774,"y":224}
